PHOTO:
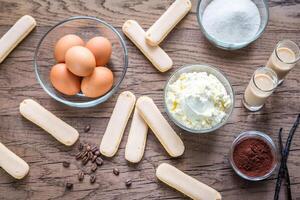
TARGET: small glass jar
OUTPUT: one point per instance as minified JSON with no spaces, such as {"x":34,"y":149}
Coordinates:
{"x":261,"y":86}
{"x":284,"y":58}
{"x":263,"y":137}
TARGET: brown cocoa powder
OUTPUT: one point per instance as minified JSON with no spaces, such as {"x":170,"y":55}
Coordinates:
{"x":253,"y":157}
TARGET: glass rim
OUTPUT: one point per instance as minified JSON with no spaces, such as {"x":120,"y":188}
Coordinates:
{"x":289,"y":41}
{"x":273,"y":73}
{"x":93,"y":102}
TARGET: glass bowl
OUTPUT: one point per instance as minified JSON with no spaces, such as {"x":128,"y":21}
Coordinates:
{"x":263,"y":8}
{"x":86,"y":28}
{"x":266,"y":139}
{"x":210,"y":70}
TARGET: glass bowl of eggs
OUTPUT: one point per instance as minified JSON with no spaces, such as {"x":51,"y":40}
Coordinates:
{"x":81,"y":61}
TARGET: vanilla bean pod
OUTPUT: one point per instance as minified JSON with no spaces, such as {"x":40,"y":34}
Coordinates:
{"x":285,"y":157}
{"x":286,"y":170}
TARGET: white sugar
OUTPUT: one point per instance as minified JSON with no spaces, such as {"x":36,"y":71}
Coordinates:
{"x":231,"y":21}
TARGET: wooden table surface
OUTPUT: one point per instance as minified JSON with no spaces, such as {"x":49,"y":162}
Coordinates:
{"x":206,"y":156}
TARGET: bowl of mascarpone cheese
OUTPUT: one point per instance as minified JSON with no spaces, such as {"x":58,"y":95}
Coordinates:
{"x":198,"y":98}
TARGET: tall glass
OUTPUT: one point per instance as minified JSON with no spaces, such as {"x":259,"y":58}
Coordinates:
{"x":261,"y":86}
{"x":284,"y":58}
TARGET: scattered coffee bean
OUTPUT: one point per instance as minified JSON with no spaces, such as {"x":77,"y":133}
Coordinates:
{"x":93,"y":179}
{"x":94,"y":149}
{"x":94,"y":167}
{"x":85,"y":144}
{"x":78,"y":155}
{"x":128,"y":182}
{"x":88,"y":147}
{"x":66,"y":164}
{"x":85,"y":160}
{"x":80,"y":175}
{"x":80,"y":146}
{"x":84,"y":154}
{"x":87,"y":128}
{"x":69,"y":186}
{"x":90,"y":155}
{"x":94,"y":158}
{"x":116,"y":171}
{"x":99,"y":161}
{"x":97,"y":153}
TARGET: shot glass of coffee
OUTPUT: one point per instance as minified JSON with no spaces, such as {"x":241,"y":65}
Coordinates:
{"x":284,"y":58}
{"x":261,"y":86}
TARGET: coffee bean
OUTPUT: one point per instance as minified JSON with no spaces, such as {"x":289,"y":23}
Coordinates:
{"x":99,"y":161}
{"x":94,"y":149}
{"x":97,"y":153}
{"x":128,"y":182}
{"x":116,"y":171}
{"x":90,"y":155}
{"x":78,"y":155}
{"x":93,"y":179}
{"x":94,"y":167}
{"x":94,"y":158}
{"x":87,"y":128}
{"x":88,"y":147}
{"x":80,"y":175}
{"x":80,"y":146}
{"x":85,"y":160}
{"x":84,"y":154}
{"x":69,"y":186}
{"x":66,"y":164}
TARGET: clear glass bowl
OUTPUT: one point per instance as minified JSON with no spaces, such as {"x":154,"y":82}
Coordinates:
{"x":86,"y":28}
{"x":210,"y":70}
{"x":253,"y":134}
{"x":263,"y":8}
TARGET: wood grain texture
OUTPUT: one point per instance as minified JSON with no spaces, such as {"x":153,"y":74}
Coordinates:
{"x":206,"y":156}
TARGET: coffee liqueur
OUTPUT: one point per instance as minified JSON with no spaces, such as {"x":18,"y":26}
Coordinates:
{"x":284,"y":58}
{"x":260,"y":87}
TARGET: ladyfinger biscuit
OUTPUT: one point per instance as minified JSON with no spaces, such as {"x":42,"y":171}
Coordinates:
{"x":156,"y":55}
{"x":12,"y":164}
{"x":37,"y":114}
{"x":160,"y":127}
{"x":167,"y":21}
{"x":185,"y":183}
{"x":15,"y":35}
{"x":137,"y":137}
{"x":117,"y":124}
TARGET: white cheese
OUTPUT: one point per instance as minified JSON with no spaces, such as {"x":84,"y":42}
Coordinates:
{"x":198,"y":100}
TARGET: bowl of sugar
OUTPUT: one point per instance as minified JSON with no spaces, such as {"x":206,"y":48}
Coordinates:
{"x":232,"y":24}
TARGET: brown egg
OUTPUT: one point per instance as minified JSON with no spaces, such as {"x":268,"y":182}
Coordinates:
{"x":98,"y":83}
{"x":63,"y":80}
{"x":80,"y":61}
{"x":64,"y":44}
{"x":101,"y":48}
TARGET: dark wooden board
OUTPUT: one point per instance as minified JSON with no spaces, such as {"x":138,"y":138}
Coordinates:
{"x":206,"y":156}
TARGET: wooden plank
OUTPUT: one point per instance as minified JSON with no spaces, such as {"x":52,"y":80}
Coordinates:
{"x":206,"y":156}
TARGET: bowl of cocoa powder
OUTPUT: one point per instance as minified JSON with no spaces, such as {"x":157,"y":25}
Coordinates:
{"x":253,"y":155}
